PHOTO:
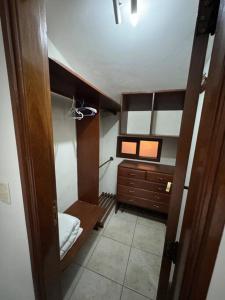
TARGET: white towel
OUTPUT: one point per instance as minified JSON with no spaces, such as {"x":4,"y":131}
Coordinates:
{"x":67,"y":225}
{"x":72,"y":239}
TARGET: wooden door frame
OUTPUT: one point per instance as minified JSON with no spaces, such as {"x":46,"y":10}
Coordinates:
{"x":197,"y":62}
{"x":25,"y":39}
{"x":25,"y":42}
{"x":204,"y":217}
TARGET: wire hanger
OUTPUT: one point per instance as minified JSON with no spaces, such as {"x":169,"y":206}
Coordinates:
{"x":74,"y":112}
{"x":87,"y":111}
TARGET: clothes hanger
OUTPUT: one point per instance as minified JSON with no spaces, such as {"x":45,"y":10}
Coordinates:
{"x":74,"y":112}
{"x":87,"y":111}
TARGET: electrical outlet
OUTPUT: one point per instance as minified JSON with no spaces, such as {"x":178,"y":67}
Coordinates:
{"x":4,"y":193}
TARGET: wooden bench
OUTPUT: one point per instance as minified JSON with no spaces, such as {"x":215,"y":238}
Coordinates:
{"x":89,"y":215}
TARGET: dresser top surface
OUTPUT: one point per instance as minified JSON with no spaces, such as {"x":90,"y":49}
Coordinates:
{"x":151,"y":167}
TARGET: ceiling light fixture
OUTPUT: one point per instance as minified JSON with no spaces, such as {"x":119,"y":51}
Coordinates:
{"x":117,"y":13}
{"x":134,"y":17}
{"x":133,"y":6}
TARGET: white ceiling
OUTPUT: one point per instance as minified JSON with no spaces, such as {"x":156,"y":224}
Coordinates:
{"x":153,"y":55}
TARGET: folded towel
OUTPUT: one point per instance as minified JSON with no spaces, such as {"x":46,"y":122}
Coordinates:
{"x":67,"y":225}
{"x":71,"y":240}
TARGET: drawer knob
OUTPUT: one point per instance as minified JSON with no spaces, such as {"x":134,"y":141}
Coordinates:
{"x":168,"y":186}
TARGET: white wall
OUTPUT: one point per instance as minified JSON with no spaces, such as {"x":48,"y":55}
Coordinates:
{"x":15,"y":268}
{"x":109,"y":130}
{"x":122,"y":58}
{"x":217,"y":287}
{"x":65,"y":149}
{"x":65,"y":143}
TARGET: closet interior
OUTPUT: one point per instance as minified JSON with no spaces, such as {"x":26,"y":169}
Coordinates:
{"x":115,"y":148}
{"x":90,"y":209}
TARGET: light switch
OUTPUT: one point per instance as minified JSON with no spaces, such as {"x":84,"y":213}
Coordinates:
{"x":4,"y":193}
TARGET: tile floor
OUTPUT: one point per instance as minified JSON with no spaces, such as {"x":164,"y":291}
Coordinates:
{"x":119,"y":262}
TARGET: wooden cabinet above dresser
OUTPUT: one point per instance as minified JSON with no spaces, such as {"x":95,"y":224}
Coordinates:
{"x":146,"y":185}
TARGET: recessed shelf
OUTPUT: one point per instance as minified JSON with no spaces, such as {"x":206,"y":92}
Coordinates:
{"x":157,"y":114}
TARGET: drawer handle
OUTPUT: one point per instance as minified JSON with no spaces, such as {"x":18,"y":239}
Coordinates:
{"x":155,"y":206}
{"x":131,"y":174}
{"x":131,"y":183}
{"x":130,"y":191}
{"x":157,"y":197}
{"x":168,"y":186}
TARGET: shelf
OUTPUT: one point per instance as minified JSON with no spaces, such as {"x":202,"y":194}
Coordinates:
{"x":68,"y":83}
{"x":150,"y":135}
{"x":151,"y":113}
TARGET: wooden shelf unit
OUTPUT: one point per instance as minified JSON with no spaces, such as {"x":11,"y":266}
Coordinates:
{"x":157,"y":102}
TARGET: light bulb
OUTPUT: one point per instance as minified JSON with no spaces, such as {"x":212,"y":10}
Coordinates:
{"x":134,"y":18}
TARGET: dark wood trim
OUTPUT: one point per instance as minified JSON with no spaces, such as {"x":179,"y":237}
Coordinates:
{"x":170,"y":100}
{"x":68,"y":83}
{"x":137,"y":140}
{"x":88,"y":137}
{"x":204,"y":217}
{"x":184,"y":144}
{"x":25,"y":40}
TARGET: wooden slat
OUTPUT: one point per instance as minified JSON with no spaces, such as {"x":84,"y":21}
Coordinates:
{"x":107,"y":204}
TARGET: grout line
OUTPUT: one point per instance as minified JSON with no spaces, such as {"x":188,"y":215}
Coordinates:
{"x":137,"y":292}
{"x":146,"y":251}
{"x":110,"y":238}
{"x":104,"y":276}
{"x":97,"y":242}
{"x":75,"y":285}
{"x":130,"y":252}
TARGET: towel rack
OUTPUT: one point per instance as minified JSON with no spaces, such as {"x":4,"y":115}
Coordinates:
{"x":110,"y":159}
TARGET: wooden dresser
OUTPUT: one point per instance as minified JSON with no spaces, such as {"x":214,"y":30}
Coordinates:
{"x":146,"y":185}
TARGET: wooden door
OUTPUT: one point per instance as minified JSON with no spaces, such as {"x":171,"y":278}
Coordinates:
{"x":187,"y":126}
{"x":25,"y":40}
{"x":204,"y":217}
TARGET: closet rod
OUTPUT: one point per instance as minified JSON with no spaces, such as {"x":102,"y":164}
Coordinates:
{"x":110,"y":159}
{"x":65,"y":97}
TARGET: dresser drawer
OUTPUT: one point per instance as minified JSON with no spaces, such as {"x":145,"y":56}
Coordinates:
{"x":143,"y":184}
{"x":147,"y":195}
{"x":160,"y":207}
{"x":159,"y":177}
{"x":131,"y":173}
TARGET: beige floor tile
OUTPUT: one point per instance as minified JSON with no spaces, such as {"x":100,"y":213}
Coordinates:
{"x":149,"y":239}
{"x":127,"y":215}
{"x":143,"y":273}
{"x":69,"y":280}
{"x":146,"y":221}
{"x":87,"y":249}
{"x":109,"y":259}
{"x":120,"y":230}
{"x":95,"y":287}
{"x":131,"y":295}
